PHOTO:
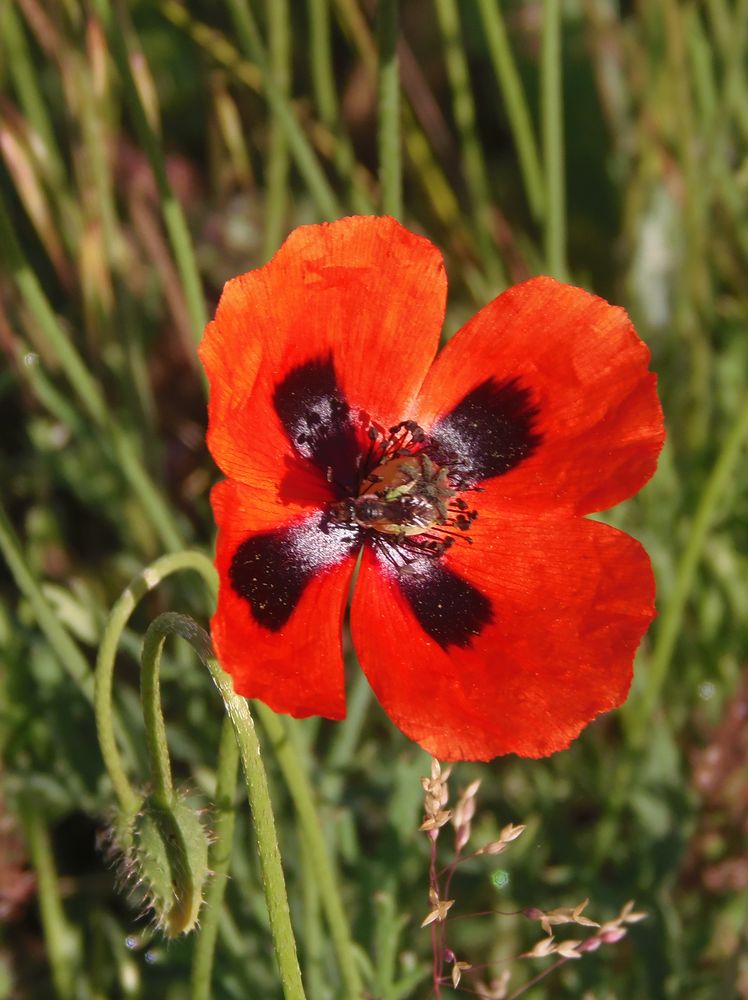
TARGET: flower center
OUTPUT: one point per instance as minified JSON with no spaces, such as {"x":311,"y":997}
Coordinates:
{"x":405,"y":496}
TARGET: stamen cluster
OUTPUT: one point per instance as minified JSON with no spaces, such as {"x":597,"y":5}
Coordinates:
{"x":406,"y":502}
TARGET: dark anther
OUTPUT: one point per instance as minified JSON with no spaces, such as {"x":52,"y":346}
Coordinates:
{"x":313,"y":418}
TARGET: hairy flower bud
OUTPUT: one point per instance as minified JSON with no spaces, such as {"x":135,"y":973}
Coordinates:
{"x":165,"y":851}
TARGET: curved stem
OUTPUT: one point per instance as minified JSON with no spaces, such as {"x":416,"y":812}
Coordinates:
{"x":146,"y":580}
{"x":258,"y":793}
{"x":153,"y":718}
{"x":302,"y":794}
{"x":219,"y":860}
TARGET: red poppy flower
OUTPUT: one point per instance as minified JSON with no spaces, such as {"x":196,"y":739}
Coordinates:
{"x":489,"y":615}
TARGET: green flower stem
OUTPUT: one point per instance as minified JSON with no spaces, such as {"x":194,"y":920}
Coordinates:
{"x":162,"y":786}
{"x":670,"y":623}
{"x":306,"y":160}
{"x":517,"y":110}
{"x":59,"y":936}
{"x":552,"y":123}
{"x":258,"y":794}
{"x":219,"y":861}
{"x":390,"y":159}
{"x":279,"y":45}
{"x":474,"y":166}
{"x":146,"y":580}
{"x":299,"y":786}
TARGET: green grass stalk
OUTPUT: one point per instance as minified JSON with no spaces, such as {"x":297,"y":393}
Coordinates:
{"x":306,"y":160}
{"x":86,"y":388}
{"x":474,"y":166}
{"x":59,"y":936}
{"x":174,"y":219}
{"x":277,"y":169}
{"x":390,"y":157}
{"x":518,"y":113}
{"x":672,"y":617}
{"x":64,"y":647}
{"x":26,"y":82}
{"x":552,"y":124}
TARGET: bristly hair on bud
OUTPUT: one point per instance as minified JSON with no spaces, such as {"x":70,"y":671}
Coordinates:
{"x":164,"y":858}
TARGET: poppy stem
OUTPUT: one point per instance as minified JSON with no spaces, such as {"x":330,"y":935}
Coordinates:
{"x":138,"y":587}
{"x":219,"y":860}
{"x":302,"y":793}
{"x":390,"y":165}
{"x":258,"y":793}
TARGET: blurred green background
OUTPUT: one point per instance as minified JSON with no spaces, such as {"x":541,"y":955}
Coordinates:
{"x":151,"y":150}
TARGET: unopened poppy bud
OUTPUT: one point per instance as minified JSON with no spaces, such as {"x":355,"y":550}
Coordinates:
{"x":167,"y":859}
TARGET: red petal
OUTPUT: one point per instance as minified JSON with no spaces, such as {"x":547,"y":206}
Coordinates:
{"x":298,"y":668}
{"x":363,"y":291}
{"x":571,"y":599}
{"x":586,"y":371}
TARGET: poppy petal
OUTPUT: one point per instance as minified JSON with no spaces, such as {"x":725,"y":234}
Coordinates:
{"x":346,"y":313}
{"x":581,"y":422}
{"x":560,"y":605}
{"x":282,"y":595}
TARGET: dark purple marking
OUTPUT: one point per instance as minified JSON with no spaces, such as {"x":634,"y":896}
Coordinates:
{"x":448,"y":608}
{"x":488,"y":433}
{"x":272,"y":569}
{"x":319,"y":422}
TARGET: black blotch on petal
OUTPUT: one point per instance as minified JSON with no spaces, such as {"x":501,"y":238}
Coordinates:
{"x":272,"y":569}
{"x":317,"y":420}
{"x":488,"y":433}
{"x":447,"y":607}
